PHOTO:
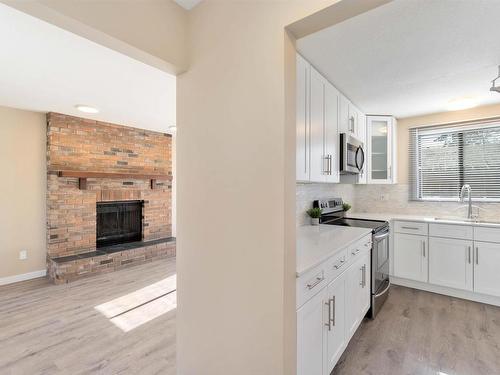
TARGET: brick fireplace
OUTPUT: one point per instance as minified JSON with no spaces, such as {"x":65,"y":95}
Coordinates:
{"x":94,"y":166}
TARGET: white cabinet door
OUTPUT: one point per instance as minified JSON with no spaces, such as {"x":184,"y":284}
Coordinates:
{"x":311,"y":335}
{"x":317,"y":119}
{"x":353,"y":119}
{"x":411,"y":257}
{"x":343,"y":114}
{"x":335,"y":342}
{"x":486,"y":268}
{"x":357,"y":295}
{"x":331,"y":133}
{"x":381,"y":149}
{"x":450,"y":263}
{"x":302,"y":120}
{"x":365,"y":293}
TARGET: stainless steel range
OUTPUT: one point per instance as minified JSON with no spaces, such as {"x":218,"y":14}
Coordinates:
{"x":333,"y":214}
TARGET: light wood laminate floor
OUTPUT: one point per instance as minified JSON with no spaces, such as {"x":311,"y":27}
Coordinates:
{"x":421,"y":333}
{"x":48,"y":329}
{"x":55,"y":329}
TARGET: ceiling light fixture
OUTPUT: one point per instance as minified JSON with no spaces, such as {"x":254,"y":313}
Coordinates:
{"x":86,"y":108}
{"x":494,"y":87}
{"x":461,"y":103}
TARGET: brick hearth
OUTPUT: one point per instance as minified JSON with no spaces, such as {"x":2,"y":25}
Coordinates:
{"x":76,"y":144}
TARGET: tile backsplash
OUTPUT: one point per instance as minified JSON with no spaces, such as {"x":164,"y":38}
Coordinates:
{"x":394,"y":199}
{"x":306,"y":193}
{"x":385,"y":199}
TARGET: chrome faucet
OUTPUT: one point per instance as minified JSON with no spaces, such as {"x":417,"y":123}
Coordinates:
{"x":469,"y":196}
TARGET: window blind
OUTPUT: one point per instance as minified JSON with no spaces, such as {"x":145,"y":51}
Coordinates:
{"x":444,"y":158}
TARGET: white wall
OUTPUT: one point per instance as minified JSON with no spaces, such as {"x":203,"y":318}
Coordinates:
{"x":236,"y":189}
{"x":22,"y":195}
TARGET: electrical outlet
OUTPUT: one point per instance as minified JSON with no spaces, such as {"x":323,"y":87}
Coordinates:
{"x":23,"y":254}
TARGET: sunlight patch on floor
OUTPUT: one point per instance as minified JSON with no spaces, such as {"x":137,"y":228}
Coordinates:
{"x":145,"y":313}
{"x":141,"y":306}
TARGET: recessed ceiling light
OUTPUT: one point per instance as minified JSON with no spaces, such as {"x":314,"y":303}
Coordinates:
{"x":86,"y":108}
{"x":462,"y":103}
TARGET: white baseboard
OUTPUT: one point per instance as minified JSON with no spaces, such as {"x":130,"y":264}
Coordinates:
{"x":22,"y":277}
{"x":464,"y":294}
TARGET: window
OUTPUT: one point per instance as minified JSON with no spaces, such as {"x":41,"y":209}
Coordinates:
{"x":445,"y":158}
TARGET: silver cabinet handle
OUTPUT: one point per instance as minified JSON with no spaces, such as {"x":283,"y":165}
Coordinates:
{"x":469,"y":254}
{"x":423,"y":248}
{"x":329,"y":164}
{"x":316,"y":282}
{"x":477,"y":254}
{"x":355,"y":252}
{"x":390,"y":171}
{"x":331,"y":313}
{"x":351,"y":121}
{"x":341,"y":263}
{"x":333,"y":316}
{"x":412,"y":228}
{"x":363,"y":276}
{"x":325,"y":166}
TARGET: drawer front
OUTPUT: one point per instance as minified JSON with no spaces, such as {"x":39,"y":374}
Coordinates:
{"x":359,"y":248}
{"x":311,"y":283}
{"x":411,"y":227}
{"x":337,"y":264}
{"x":463,"y":232}
{"x":487,"y":234}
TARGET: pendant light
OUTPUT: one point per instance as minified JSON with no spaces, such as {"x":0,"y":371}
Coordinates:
{"x":495,"y":87}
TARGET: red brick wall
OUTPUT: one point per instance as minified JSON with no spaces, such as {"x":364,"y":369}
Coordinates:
{"x":75,"y":143}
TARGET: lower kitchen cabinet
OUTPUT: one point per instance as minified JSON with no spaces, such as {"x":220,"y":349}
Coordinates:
{"x":451,"y":263}
{"x":486,"y":268}
{"x":358,"y":294}
{"x":326,"y":322}
{"x":411,"y":256}
{"x":335,"y":323}
{"x":311,"y":333}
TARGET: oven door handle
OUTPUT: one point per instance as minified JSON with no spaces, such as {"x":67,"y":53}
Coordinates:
{"x":363,"y":158}
{"x":384,"y":291}
{"x":381,"y":237}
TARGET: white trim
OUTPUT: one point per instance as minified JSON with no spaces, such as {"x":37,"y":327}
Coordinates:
{"x":464,"y":294}
{"x":23,"y":277}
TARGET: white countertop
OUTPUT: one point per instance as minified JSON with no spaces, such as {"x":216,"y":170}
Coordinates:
{"x":317,"y":243}
{"x":429,"y":219}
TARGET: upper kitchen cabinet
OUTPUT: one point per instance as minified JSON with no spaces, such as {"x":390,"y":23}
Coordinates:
{"x":381,"y":149}
{"x":302,"y":120}
{"x":317,"y":126}
{"x":324,"y":129}
{"x":348,"y":117}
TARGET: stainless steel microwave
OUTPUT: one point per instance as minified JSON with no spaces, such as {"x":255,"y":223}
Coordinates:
{"x":352,"y":154}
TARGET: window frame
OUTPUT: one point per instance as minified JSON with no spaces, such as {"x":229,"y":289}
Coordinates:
{"x":415,"y":162}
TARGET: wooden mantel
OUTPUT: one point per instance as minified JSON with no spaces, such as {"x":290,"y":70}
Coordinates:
{"x":83,"y":175}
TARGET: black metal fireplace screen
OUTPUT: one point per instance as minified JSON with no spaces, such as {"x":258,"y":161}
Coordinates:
{"x":118,"y":222}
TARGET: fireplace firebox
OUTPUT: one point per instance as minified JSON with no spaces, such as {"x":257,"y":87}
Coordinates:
{"x":118,"y":222}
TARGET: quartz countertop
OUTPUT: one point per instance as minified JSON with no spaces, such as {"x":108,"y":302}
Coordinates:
{"x":317,"y":243}
{"x":441,"y":219}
